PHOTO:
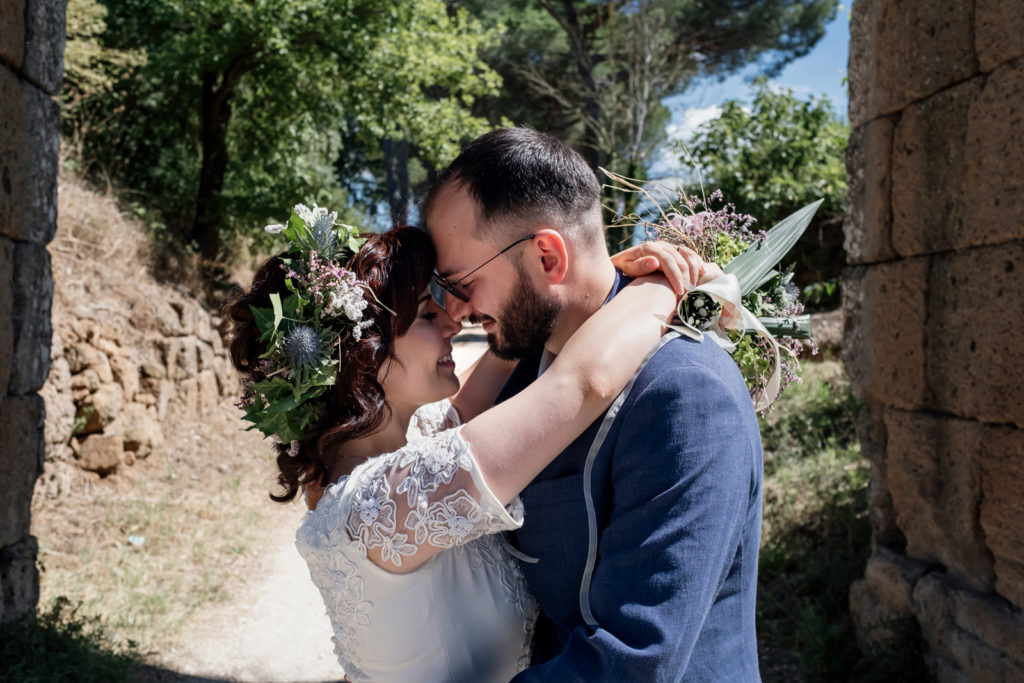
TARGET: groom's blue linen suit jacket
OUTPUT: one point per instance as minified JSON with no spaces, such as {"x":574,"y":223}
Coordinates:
{"x":647,"y":570}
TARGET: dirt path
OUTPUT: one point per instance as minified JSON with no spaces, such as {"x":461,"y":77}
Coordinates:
{"x":275,"y":629}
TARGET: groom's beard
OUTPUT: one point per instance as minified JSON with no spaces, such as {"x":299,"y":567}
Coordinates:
{"x":525,"y":323}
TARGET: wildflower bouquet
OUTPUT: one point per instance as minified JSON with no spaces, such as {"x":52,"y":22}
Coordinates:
{"x":303,"y":332}
{"x":753,"y":311}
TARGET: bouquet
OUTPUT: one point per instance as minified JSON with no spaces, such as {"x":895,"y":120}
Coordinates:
{"x":753,"y":311}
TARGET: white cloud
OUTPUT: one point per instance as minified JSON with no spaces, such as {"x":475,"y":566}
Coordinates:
{"x":681,"y":128}
{"x":684,"y":124}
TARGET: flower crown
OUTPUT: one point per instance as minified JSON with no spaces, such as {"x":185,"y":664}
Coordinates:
{"x":303,"y":332}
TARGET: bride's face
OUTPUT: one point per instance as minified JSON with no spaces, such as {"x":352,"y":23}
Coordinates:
{"x":422,"y":370}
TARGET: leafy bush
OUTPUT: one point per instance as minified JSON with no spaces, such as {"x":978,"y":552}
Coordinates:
{"x":817,"y":538}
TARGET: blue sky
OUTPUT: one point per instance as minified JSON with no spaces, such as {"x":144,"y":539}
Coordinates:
{"x":820,"y":72}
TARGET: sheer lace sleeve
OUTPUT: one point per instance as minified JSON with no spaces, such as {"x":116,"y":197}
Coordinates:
{"x":433,"y":418}
{"x":409,"y":505}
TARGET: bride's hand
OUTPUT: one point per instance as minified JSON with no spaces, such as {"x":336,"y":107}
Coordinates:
{"x":681,"y":265}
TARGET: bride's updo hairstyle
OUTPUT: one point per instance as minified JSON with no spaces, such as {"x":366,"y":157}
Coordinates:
{"x":397,"y":265}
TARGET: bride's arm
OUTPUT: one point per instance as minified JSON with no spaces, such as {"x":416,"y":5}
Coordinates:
{"x":482,"y":381}
{"x":407,"y":506}
{"x":479,"y":385}
{"x":513,"y":441}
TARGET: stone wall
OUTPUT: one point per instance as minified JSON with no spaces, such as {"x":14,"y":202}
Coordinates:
{"x":131,"y":359}
{"x":934,"y":312}
{"x":31,"y":70}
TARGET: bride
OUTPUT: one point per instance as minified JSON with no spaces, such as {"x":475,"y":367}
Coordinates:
{"x":348,"y":361}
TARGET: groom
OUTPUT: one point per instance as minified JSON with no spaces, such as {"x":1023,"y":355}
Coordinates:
{"x":645,"y":529}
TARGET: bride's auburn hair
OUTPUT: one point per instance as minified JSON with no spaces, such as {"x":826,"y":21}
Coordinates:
{"x":397,"y":265}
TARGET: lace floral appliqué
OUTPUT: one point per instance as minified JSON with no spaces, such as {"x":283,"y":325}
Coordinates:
{"x":430,"y":487}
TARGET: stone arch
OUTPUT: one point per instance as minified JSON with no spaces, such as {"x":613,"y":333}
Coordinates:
{"x":933,"y":307}
{"x":31,"y":70}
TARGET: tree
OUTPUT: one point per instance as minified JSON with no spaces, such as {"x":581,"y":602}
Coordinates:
{"x":776,"y":155}
{"x":595,"y":73}
{"x":241,"y":107}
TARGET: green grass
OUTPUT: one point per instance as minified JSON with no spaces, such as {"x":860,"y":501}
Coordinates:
{"x":57,"y":644}
{"x":817,"y":539}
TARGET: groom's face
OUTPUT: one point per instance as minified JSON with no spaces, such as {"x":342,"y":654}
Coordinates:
{"x":513,"y":314}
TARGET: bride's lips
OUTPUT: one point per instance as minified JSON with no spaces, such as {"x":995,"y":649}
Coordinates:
{"x":447,"y":362}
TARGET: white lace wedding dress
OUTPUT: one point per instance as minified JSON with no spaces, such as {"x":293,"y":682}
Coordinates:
{"x":466,"y":614}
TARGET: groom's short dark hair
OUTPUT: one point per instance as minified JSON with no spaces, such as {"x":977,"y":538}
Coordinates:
{"x":521,"y":177}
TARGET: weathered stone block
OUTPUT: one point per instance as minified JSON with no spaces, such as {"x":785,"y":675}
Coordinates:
{"x":881,"y":603}
{"x":998,"y":31}
{"x":936,"y":490}
{"x":126,"y":373}
{"x":876,"y":622}
{"x":60,"y":406}
{"x":182,"y":357}
{"x":943,"y":671}
{"x":928,"y":181}
{"x":884,"y":335}
{"x":44,"y":43}
{"x":32,"y":296}
{"x":892,"y":578}
{"x":870,"y":423}
{"x":29,"y":140}
{"x":83,"y":355}
{"x":961,"y":627}
{"x":101,"y":408}
{"x":904,"y":51}
{"x":868,"y":223}
{"x":991,"y":619}
{"x":209,"y":392}
{"x":19,"y":579}
{"x":101,"y":453}
{"x":139,"y":428}
{"x":12,"y":37}
{"x":1001,"y":459}
{"x":973,"y":363}
{"x":21,"y":433}
{"x":995,"y":155}
{"x":6,"y":310}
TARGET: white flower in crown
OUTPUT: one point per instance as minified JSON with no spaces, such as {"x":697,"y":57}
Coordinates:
{"x":346,"y":298}
{"x":316,"y":217}
{"x":304,"y":212}
{"x":357,"y":329}
{"x":275,"y":229}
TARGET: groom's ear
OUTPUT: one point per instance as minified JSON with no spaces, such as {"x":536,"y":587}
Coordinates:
{"x":554,"y":256}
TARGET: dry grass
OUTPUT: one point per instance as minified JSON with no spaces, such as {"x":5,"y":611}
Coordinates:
{"x":143,"y":548}
{"x":93,"y":229}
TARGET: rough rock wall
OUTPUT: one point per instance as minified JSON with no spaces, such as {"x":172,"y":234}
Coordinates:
{"x":31,"y":70}
{"x":131,"y":359}
{"x":934,"y":310}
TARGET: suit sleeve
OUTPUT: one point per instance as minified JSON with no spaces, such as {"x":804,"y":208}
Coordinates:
{"x":684,"y":469}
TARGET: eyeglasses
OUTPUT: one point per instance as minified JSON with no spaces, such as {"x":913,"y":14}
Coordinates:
{"x":439,"y":285}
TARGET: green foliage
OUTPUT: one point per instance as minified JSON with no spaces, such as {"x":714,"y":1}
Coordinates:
{"x":594,"y":74}
{"x":819,"y":294}
{"x":238,"y":105}
{"x":58,"y":644}
{"x":82,"y":418}
{"x":817,"y":537}
{"x":776,"y":156}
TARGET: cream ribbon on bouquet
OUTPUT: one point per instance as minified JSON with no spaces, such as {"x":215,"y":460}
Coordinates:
{"x":726,"y":291}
